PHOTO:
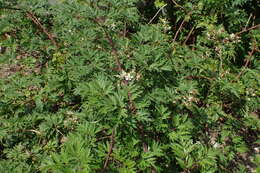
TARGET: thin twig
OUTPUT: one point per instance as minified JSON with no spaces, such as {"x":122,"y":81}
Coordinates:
{"x":156,"y":14}
{"x":248,"y":29}
{"x":31,"y":16}
{"x":176,"y":34}
{"x":248,"y":21}
{"x":179,"y":29}
{"x":177,"y":4}
{"x":187,"y":38}
{"x":112,"y":141}
{"x":114,"y":52}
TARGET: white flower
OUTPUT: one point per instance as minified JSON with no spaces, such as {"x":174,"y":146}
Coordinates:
{"x":127,"y":76}
{"x":216,"y":145}
{"x":232,"y":36}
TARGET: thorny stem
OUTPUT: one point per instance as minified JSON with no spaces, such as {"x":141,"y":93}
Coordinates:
{"x":119,"y":65}
{"x":132,"y":106}
{"x":114,"y":52}
{"x":112,"y":45}
{"x":180,"y":28}
{"x":112,"y":142}
{"x":31,"y":16}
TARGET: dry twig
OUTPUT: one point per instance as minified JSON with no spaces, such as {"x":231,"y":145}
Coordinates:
{"x":180,"y":28}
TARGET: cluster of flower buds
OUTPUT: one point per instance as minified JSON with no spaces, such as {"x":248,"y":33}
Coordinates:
{"x":129,"y":76}
{"x":232,"y":38}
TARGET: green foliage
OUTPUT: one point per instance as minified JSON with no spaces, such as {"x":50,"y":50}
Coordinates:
{"x":129,"y":86}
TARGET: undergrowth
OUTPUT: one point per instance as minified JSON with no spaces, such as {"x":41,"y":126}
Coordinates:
{"x":129,"y":86}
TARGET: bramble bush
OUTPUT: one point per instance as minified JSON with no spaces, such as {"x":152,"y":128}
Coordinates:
{"x":129,"y":86}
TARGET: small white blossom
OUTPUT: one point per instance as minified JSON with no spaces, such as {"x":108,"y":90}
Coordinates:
{"x":216,"y":145}
{"x":232,"y":36}
{"x":127,"y":76}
